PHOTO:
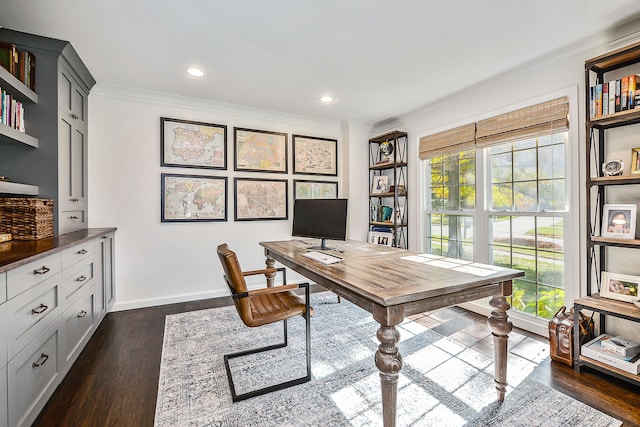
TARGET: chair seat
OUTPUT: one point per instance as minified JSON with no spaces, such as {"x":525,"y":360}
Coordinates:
{"x":275,"y":307}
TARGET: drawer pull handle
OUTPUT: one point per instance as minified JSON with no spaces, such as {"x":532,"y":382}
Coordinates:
{"x":41,"y":361}
{"x":75,"y":200}
{"x":74,"y":116}
{"x":43,"y":270}
{"x":81,"y":278}
{"x":82,"y":314}
{"x":40,"y":309}
{"x":73,"y":217}
{"x":82,"y":252}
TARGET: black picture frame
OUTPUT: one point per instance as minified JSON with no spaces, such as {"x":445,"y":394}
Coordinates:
{"x":270,"y":150}
{"x":205,"y":150}
{"x":315,"y":156}
{"x":258,"y":199}
{"x":188,"y":198}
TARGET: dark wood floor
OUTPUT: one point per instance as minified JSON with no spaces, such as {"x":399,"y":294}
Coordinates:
{"x":114,"y":381}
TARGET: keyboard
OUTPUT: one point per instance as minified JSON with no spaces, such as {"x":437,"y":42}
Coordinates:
{"x":322,"y":257}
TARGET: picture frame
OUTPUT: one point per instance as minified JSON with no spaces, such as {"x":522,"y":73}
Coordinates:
{"x":380,"y":184}
{"x":619,"y":221}
{"x":635,"y":161}
{"x":260,"y":150}
{"x":193,"y":198}
{"x":621,"y":287}
{"x":258,"y":199}
{"x":303,"y":189}
{"x":381,"y":238}
{"x":191,"y":144}
{"x":315,"y":156}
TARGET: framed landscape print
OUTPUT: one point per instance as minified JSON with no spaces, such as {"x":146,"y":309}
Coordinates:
{"x":260,"y":150}
{"x":314,"y":189}
{"x":621,"y":287}
{"x":315,"y":156}
{"x":189,"y":144}
{"x":191,"y":198}
{"x":261,"y":199}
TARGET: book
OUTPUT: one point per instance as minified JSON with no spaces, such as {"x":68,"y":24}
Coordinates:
{"x":592,"y":102}
{"x":612,"y":97}
{"x":594,"y":350}
{"x":621,"y":345}
{"x":618,"y":89}
{"x":624,"y":93}
{"x":599,"y":100}
{"x":605,"y":99}
{"x":634,"y":82}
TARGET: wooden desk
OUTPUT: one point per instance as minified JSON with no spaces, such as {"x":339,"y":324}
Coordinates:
{"x":392,"y":283}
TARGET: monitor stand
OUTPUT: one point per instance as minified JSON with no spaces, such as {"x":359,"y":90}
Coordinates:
{"x":323,"y":246}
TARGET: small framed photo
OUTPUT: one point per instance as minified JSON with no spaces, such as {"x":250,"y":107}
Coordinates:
{"x":193,"y":198}
{"x":380,"y":184}
{"x":189,"y":144}
{"x":261,"y":199}
{"x":619,"y":221}
{"x":381,"y":238}
{"x":315,"y":156}
{"x":635,"y":161}
{"x":314,"y":189}
{"x":621,"y":287}
{"x":260,"y":150}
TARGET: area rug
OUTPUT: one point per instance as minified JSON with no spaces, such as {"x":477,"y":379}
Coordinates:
{"x":441,"y":383}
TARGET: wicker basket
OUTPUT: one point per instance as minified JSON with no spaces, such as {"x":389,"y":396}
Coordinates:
{"x":26,"y":219}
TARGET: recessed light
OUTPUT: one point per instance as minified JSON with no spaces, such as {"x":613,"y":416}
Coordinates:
{"x":326,"y":99}
{"x":195,"y":72}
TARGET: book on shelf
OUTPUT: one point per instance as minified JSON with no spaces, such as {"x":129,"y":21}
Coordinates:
{"x":621,"y":346}
{"x":624,"y":93}
{"x":594,"y":350}
{"x":20,"y":63}
{"x":612,"y":97}
{"x":605,"y":99}
{"x":592,"y":102}
{"x":631,"y":97}
{"x":618,"y":89}
{"x":598,"y":100}
{"x":11,"y":111}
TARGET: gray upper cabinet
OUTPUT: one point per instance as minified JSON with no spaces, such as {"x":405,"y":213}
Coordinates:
{"x":57,"y":167}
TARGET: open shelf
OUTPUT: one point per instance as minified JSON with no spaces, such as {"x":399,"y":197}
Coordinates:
{"x":11,"y":136}
{"x":16,"y":188}
{"x":16,"y":88}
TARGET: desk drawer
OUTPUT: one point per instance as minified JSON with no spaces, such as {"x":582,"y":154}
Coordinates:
{"x":22,"y":278}
{"x":77,"y":253}
{"x":31,"y":312}
{"x":77,"y":325}
{"x":75,"y":280}
{"x":33,"y":376}
{"x":72,"y":218}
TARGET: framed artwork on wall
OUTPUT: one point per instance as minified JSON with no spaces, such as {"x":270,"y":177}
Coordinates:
{"x":619,"y":221}
{"x":189,"y":144}
{"x":193,"y":198}
{"x":315,"y":156}
{"x":314,"y":189}
{"x":621,"y":287}
{"x":260,"y":150}
{"x":261,"y":199}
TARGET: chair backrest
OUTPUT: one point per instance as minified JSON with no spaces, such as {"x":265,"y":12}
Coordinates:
{"x":235,"y":280}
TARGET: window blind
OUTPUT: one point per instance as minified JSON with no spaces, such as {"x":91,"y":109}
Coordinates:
{"x":447,"y":142}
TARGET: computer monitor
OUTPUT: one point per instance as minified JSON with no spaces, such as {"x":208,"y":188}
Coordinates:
{"x":324,"y":219}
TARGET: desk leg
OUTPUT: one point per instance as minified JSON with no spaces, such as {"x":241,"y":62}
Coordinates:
{"x":500,"y":327}
{"x":388,"y":360}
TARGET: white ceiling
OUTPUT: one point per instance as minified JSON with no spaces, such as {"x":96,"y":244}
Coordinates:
{"x":378,"y":58}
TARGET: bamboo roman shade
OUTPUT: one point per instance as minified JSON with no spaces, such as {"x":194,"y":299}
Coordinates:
{"x":536,"y":120}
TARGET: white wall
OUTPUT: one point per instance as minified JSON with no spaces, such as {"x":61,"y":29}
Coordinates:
{"x":158,"y":262}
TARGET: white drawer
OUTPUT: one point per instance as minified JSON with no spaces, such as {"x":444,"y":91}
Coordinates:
{"x":77,"y":326}
{"x":31,"y":312}
{"x":72,"y":218}
{"x":33,"y":376}
{"x":4,"y":418}
{"x":3,"y":287}
{"x":75,"y":280}
{"x":22,"y":278}
{"x":78,"y":253}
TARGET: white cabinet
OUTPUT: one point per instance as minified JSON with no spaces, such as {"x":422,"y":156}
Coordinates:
{"x":4,"y":416}
{"x":105,"y":297}
{"x":78,"y":323}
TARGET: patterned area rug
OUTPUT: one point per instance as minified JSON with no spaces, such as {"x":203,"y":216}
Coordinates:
{"x":441,"y":382}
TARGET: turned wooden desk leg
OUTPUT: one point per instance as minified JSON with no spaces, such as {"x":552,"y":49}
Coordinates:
{"x":500,"y":327}
{"x":388,"y":360}
{"x":271,"y":277}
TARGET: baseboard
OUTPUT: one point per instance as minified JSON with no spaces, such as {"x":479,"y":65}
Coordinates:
{"x":521,"y":321}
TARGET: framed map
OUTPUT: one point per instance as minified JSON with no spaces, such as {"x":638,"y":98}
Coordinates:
{"x":315,"y":156}
{"x":260,"y":150}
{"x":258,"y":199}
{"x":314,"y":189}
{"x":189,"y":144}
{"x":190,"y":198}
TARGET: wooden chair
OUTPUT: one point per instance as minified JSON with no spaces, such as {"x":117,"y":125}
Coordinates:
{"x":262,"y":307}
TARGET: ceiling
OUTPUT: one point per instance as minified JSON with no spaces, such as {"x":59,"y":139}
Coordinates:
{"x":378,"y":58}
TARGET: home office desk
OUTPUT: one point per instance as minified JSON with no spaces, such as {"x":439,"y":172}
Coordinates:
{"x":392,"y":283}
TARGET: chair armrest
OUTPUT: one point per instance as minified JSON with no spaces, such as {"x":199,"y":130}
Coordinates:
{"x":265,"y":291}
{"x":263,"y":271}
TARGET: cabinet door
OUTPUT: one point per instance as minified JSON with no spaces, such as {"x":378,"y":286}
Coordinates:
{"x":107,"y":245}
{"x":77,"y":324}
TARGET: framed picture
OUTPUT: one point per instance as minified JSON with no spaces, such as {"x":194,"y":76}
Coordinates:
{"x":260,"y":199}
{"x":619,"y":221}
{"x":191,"y":198}
{"x":380,"y":184}
{"x":635,"y":161}
{"x":189,"y":144}
{"x":315,"y":156}
{"x":314,"y":189}
{"x":622,"y":287}
{"x":381,"y":238}
{"x":260,"y":150}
